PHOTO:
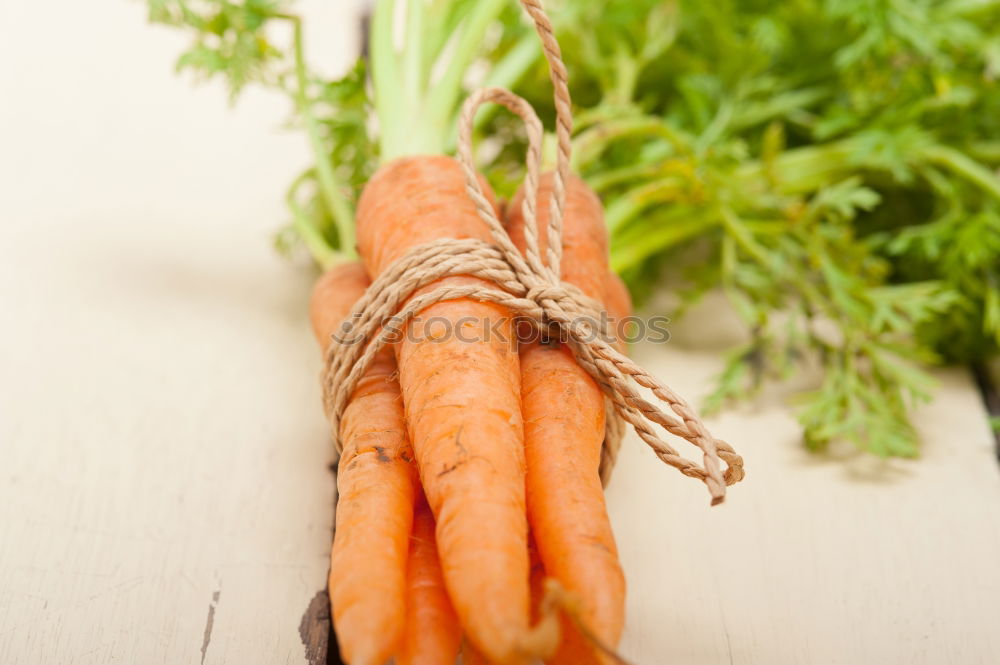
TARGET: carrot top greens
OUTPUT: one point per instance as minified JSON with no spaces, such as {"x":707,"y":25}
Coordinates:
{"x":832,"y":165}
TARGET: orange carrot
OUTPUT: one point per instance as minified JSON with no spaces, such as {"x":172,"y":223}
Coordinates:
{"x":536,"y":580}
{"x":432,"y":635}
{"x":563,"y":411}
{"x":463,"y":405}
{"x":472,"y":656}
{"x":585,"y":238}
{"x":375,"y":482}
{"x":618,"y":301}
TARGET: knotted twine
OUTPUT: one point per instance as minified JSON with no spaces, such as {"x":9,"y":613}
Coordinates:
{"x":529,"y":286}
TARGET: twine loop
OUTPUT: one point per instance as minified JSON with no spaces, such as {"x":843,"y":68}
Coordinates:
{"x":529,"y":285}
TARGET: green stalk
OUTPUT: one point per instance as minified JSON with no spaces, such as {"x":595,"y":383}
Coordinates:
{"x":744,"y":239}
{"x":637,"y":199}
{"x":626,"y":76}
{"x":330,"y":188}
{"x":438,"y":110}
{"x":716,"y":127}
{"x":324,"y":255}
{"x":509,"y":69}
{"x":437,"y":29}
{"x":385,"y":76}
{"x":628,"y":249}
{"x":587,"y":118}
{"x":756,"y":113}
{"x":591,"y":143}
{"x":413,"y":55}
{"x":985,"y":151}
{"x":964,"y":166}
{"x":638,"y":173}
{"x":507,"y":72}
{"x":801,"y":170}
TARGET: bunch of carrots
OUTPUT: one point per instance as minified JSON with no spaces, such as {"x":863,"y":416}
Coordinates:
{"x":469,"y":471}
{"x":471,"y":516}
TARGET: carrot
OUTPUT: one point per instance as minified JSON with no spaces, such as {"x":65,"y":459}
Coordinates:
{"x":375,"y":482}
{"x":536,"y":580}
{"x":618,"y":301}
{"x":432,"y":635}
{"x":463,"y":405}
{"x":470,"y":655}
{"x":585,"y":238}
{"x":563,"y":411}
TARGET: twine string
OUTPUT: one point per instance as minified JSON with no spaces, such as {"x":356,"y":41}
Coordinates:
{"x":529,"y":285}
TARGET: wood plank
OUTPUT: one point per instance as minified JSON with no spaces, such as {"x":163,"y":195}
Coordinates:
{"x":813,"y":559}
{"x":164,"y":496}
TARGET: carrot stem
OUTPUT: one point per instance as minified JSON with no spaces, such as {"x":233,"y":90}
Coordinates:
{"x":385,"y":76}
{"x":441,"y":102}
{"x":416,"y":117}
{"x":507,"y":71}
{"x":413,"y":71}
{"x":330,"y":187}
{"x":965,"y":167}
{"x":324,"y":255}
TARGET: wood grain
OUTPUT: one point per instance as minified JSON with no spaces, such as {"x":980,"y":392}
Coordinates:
{"x":164,"y":491}
{"x":814,"y":559}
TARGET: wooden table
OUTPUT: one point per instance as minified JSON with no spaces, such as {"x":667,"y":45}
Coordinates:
{"x":164,"y":491}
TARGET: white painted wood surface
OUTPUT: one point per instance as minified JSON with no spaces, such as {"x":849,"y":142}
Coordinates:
{"x":814,"y":559}
{"x":163,"y":457}
{"x":164,"y":496}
